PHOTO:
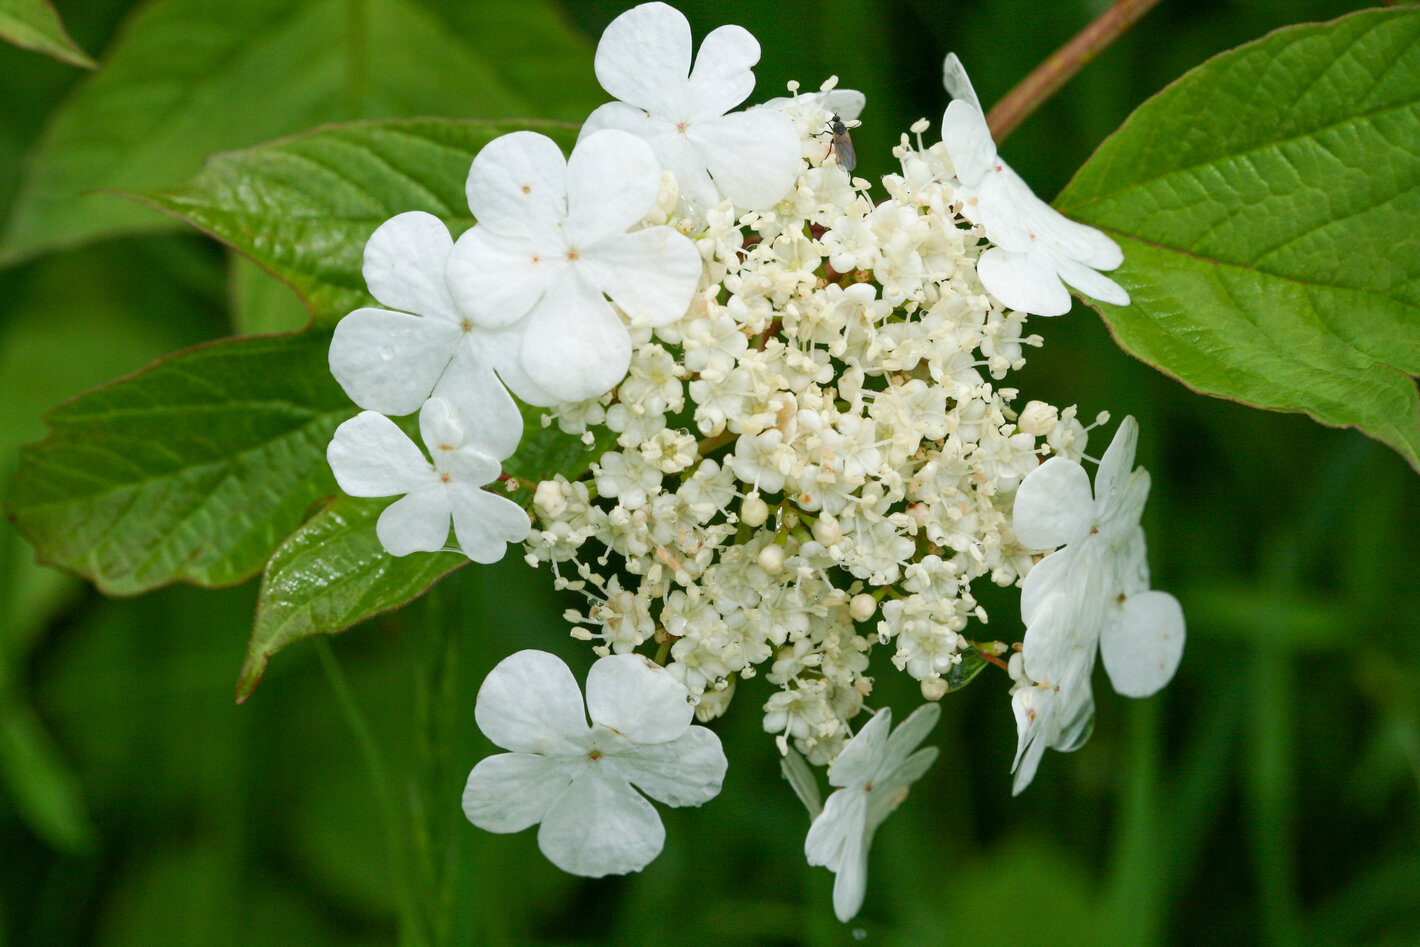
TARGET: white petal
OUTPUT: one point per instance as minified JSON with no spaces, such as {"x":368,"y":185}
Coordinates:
{"x":638,"y":699}
{"x":623,"y":117}
{"x":1025,"y":282}
{"x":643,"y":58}
{"x":1053,"y":505}
{"x":371,"y":457}
{"x":722,"y":77}
{"x":687,"y":771}
{"x":485,"y":523}
{"x":530,"y":703}
{"x":575,"y":347}
{"x":404,"y":265}
{"x":890,"y":789}
{"x":511,"y":791}
{"x":1112,"y":477}
{"x":497,"y":280}
{"x":1143,"y":645}
{"x":957,"y":83}
{"x":910,"y":733}
{"x":651,"y":274}
{"x":847,"y":104}
{"x":496,"y":424}
{"x":857,"y":763}
{"x":1032,"y":707}
{"x":613,"y":179}
{"x":502,"y":348}
{"x":417,"y":523}
{"x":389,"y":361}
{"x":601,"y":826}
{"x":753,"y":156}
{"x":1091,"y":283}
{"x":1044,"y":579}
{"x":517,"y":185}
{"x":968,"y":141}
{"x":837,"y":840}
{"x":440,"y":427}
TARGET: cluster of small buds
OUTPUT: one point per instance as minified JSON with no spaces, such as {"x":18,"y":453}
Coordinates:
{"x":818,"y":458}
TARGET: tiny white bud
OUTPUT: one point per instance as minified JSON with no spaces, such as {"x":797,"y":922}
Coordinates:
{"x":934,"y":688}
{"x":1038,"y":418}
{"x":771,"y":558}
{"x":827,"y":530}
{"x":754,"y":512}
{"x":862,"y":607}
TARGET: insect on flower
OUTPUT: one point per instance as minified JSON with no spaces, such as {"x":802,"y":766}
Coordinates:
{"x":842,"y":144}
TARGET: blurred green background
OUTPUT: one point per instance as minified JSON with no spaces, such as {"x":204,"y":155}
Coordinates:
{"x":1268,"y":796}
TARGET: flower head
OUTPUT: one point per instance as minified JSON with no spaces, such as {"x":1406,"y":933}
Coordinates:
{"x":1091,"y":594}
{"x":874,"y":771}
{"x":1036,"y":247}
{"x":372,"y":457}
{"x":576,"y":780}
{"x":644,"y":60}
{"x":551,"y":243}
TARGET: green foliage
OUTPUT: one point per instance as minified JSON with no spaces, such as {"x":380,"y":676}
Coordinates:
{"x":190,"y":78}
{"x":1266,"y":203}
{"x":35,"y":24}
{"x":193,"y":469}
{"x":304,"y":207}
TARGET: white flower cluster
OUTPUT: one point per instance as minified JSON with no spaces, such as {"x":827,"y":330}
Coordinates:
{"x":816,"y":453}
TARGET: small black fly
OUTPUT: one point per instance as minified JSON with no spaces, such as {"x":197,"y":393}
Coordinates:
{"x":842,"y":144}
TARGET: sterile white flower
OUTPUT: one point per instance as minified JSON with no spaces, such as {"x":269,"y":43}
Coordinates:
{"x":874,"y":771}
{"x":1036,"y":247}
{"x":644,"y":60}
{"x":391,"y":362}
{"x":551,"y":239}
{"x":576,"y":780}
{"x":372,"y":457}
{"x":1091,"y":593}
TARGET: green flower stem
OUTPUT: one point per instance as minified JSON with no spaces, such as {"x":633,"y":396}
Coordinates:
{"x":1047,"y":78}
{"x":411,"y":928}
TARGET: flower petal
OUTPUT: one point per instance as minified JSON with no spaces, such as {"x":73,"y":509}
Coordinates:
{"x":530,"y":703}
{"x":497,"y":280}
{"x":512,"y":791}
{"x":417,"y":523}
{"x":909,"y":734}
{"x":837,"y":841}
{"x":517,"y":185}
{"x":687,"y":771}
{"x":968,"y":141}
{"x":601,"y":826}
{"x":723,"y":76}
{"x":1092,"y":284}
{"x":1112,"y":477}
{"x":404,"y":265}
{"x":857,"y":763}
{"x":389,"y":361}
{"x":502,"y":348}
{"x":1143,"y":645}
{"x":485,"y":523}
{"x":575,"y":346}
{"x":753,"y":156}
{"x":638,"y":699}
{"x":651,"y":274}
{"x":643,"y":58}
{"x":613,"y":179}
{"x":1025,"y":282}
{"x":371,"y":457}
{"x":890,"y":788}
{"x":957,"y":83}
{"x":470,"y":385}
{"x":1053,"y":505}
{"x":1044,"y":579}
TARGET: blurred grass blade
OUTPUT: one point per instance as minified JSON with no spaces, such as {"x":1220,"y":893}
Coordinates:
{"x":35,"y":25}
{"x":1266,"y":204}
{"x":43,"y":787}
{"x":193,"y":469}
{"x":188,"y":78}
{"x":303,"y":207}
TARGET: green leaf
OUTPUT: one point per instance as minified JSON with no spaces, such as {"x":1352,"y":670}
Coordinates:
{"x":303,"y":208}
{"x":188,"y":78}
{"x":262,"y":304}
{"x":193,"y":469}
{"x":332,"y":573}
{"x":43,"y":786}
{"x":1267,"y":205}
{"x":965,"y":670}
{"x":35,"y":24}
